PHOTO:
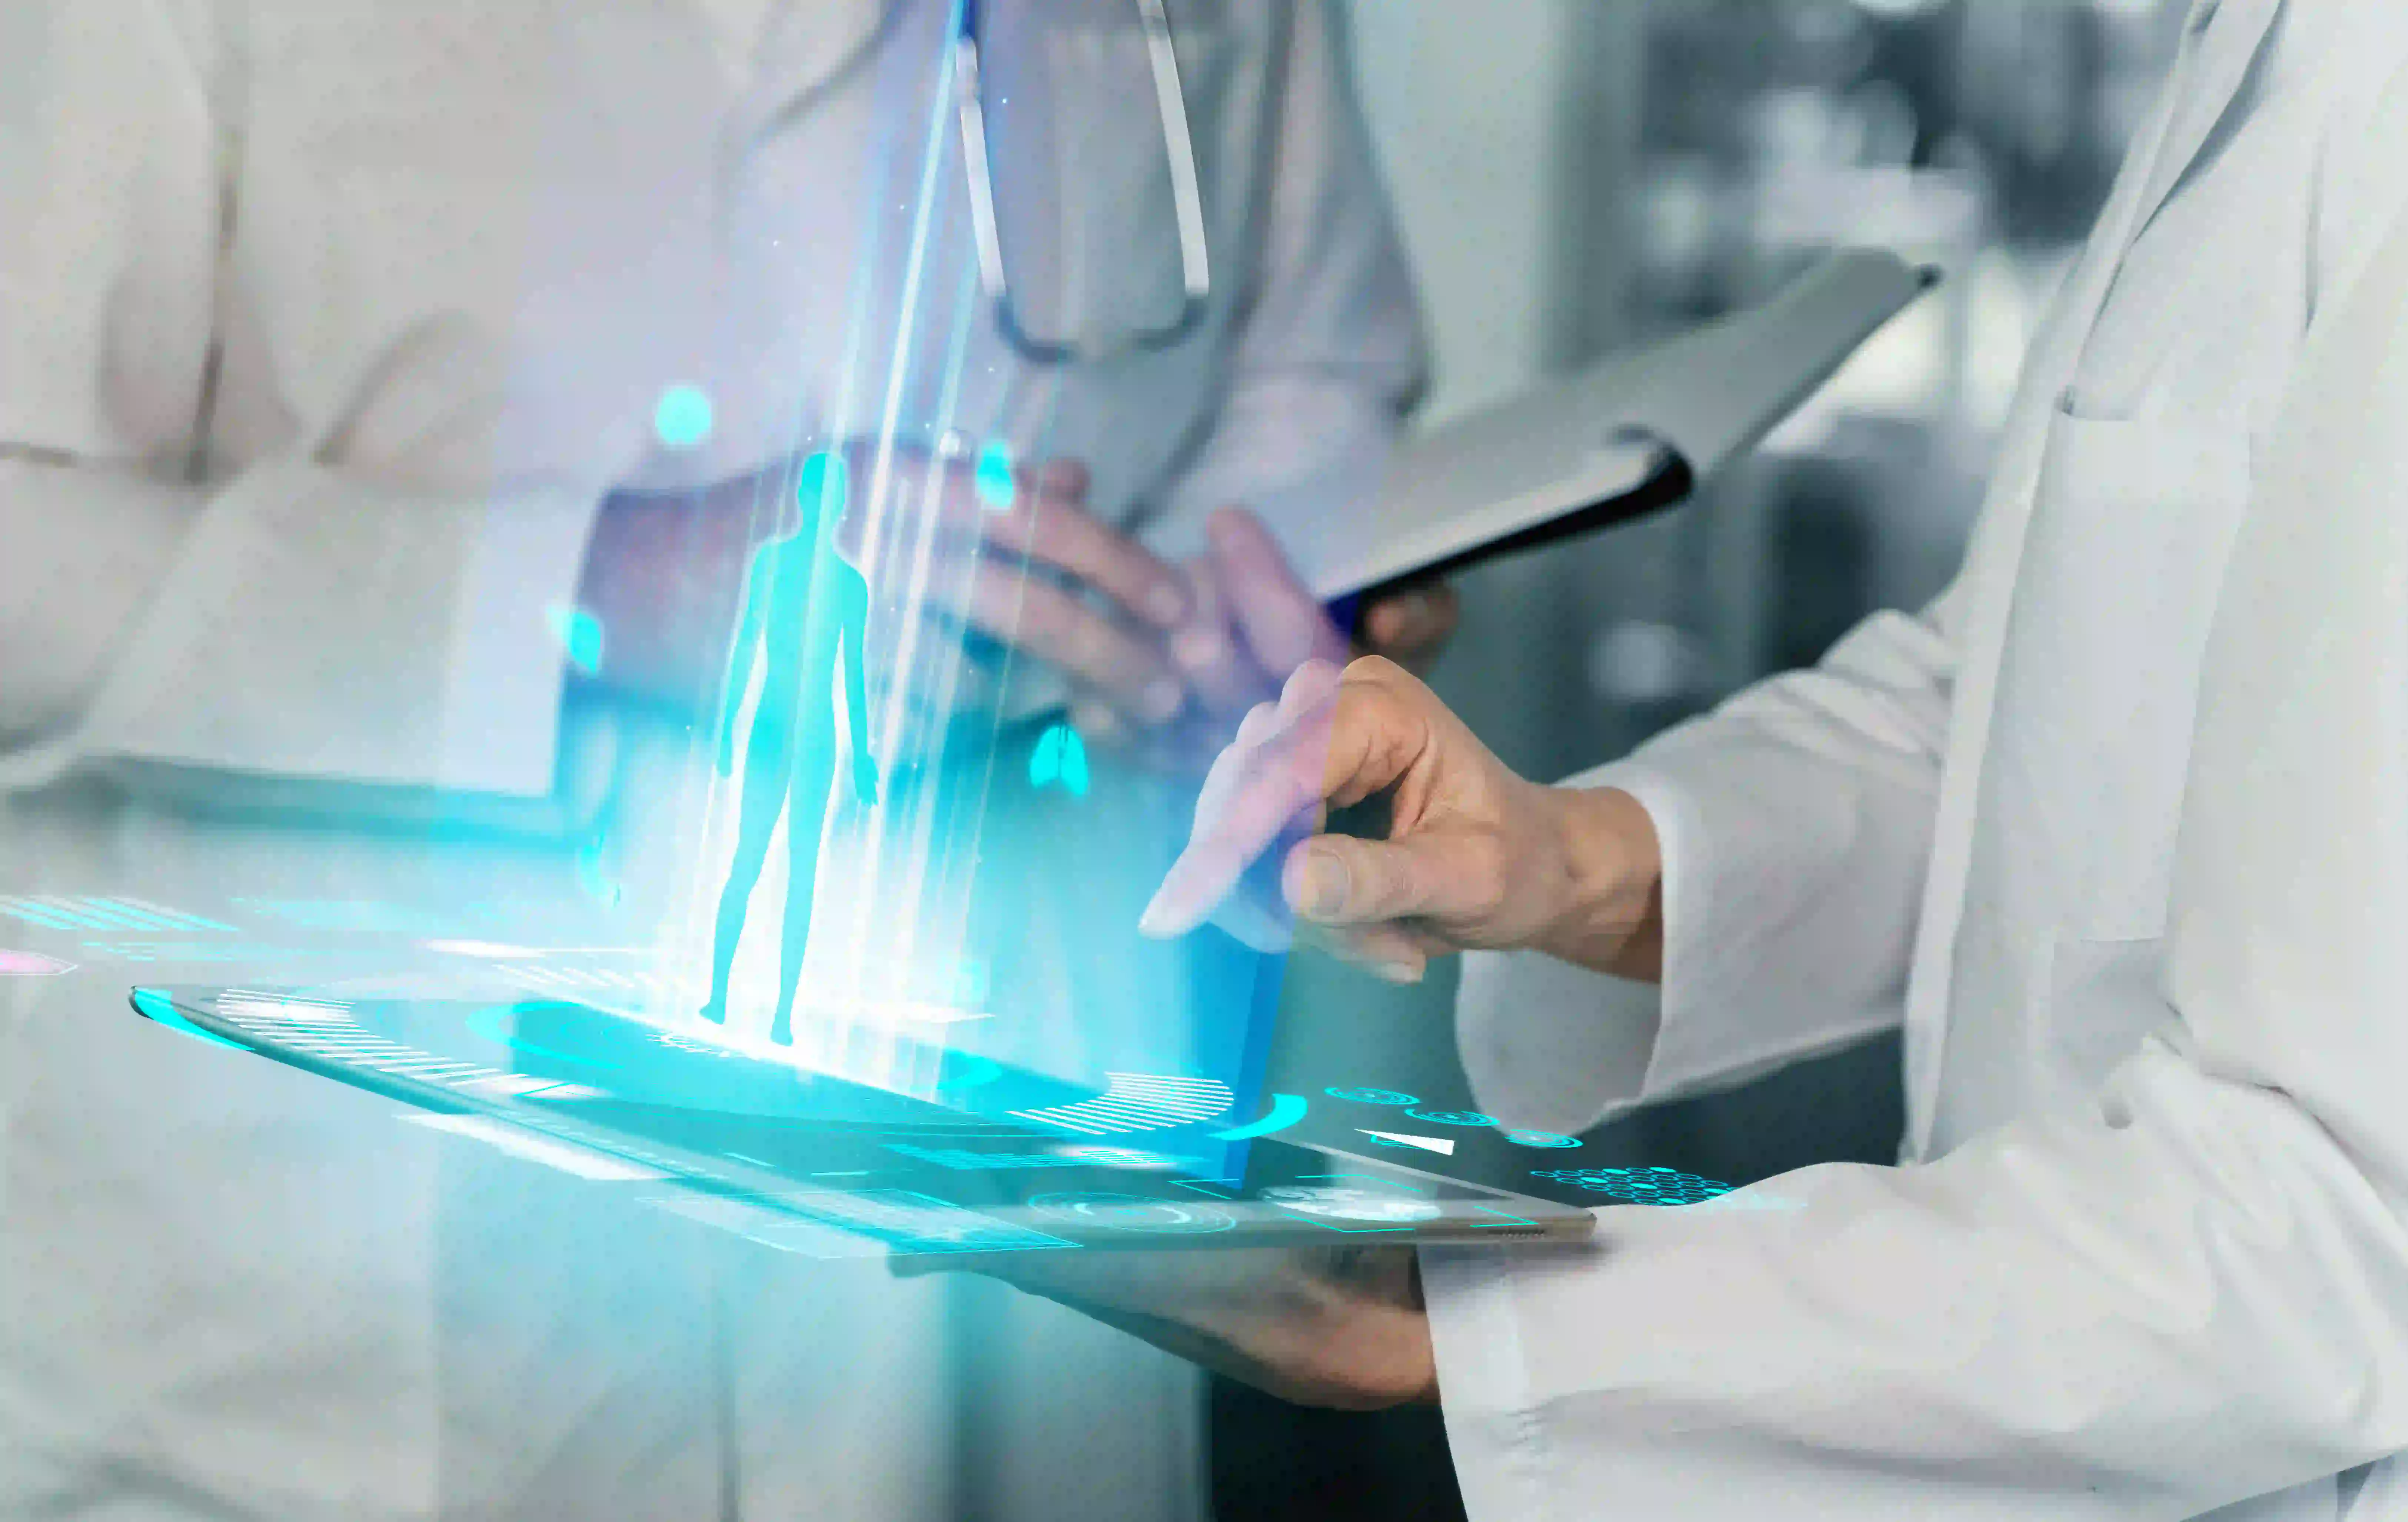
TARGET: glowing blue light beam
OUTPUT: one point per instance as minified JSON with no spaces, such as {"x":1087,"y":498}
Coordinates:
{"x":1286,"y":1110}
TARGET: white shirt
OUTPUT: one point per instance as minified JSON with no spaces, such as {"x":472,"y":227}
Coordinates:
{"x":2143,"y":1257}
{"x":465,"y":248}
{"x":450,"y":253}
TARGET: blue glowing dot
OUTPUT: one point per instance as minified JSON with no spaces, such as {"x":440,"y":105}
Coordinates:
{"x":821,"y":483}
{"x":994,"y":479}
{"x":683,"y":418}
{"x":579,"y":635}
{"x":1373,"y":1096}
{"x":1452,"y":1117}
{"x":1541,"y":1139}
{"x":1060,"y":759}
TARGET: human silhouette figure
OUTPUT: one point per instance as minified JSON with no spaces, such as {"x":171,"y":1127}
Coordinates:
{"x":805,"y":609}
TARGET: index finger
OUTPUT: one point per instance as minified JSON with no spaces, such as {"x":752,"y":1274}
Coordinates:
{"x":1048,"y":521}
{"x":1339,"y":738}
{"x":1283,"y":621}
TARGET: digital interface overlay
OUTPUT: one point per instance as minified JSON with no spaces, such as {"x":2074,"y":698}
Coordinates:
{"x":1002,"y":1160}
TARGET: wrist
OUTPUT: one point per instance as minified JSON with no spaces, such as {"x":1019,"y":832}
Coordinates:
{"x":1610,"y":870}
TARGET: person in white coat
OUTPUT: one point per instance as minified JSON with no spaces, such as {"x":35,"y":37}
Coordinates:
{"x":333,"y":338}
{"x":2118,"y":826}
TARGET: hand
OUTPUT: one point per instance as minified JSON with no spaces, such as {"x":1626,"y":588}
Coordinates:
{"x":1251,"y":623}
{"x":1409,"y":626}
{"x":1041,"y":576}
{"x":1476,"y":857}
{"x":1340,"y":1327}
{"x":865,"y":780}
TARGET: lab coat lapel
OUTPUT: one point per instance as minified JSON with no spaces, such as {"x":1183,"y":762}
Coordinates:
{"x":2220,"y":47}
{"x":2208,"y":74}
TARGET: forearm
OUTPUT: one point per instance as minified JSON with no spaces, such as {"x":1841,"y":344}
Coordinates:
{"x":663,"y":575}
{"x":303,"y":622}
{"x":86,"y":547}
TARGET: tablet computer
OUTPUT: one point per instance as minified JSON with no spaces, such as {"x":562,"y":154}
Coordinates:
{"x":964,"y":1154}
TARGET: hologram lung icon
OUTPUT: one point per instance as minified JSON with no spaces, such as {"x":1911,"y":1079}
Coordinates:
{"x":806,"y":612}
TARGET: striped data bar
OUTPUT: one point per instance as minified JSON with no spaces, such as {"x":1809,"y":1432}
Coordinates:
{"x":61,"y":911}
{"x":1137,"y":1103}
{"x":587,"y":980}
{"x":324,"y":1028}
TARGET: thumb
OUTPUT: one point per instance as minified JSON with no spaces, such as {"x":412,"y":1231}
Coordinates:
{"x":1339,"y":881}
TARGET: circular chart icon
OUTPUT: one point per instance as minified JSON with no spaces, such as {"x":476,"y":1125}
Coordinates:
{"x":1135,"y":1213}
{"x":1452,"y":1117}
{"x":1541,"y":1139}
{"x":1373,"y":1096}
{"x":1345,"y":1204}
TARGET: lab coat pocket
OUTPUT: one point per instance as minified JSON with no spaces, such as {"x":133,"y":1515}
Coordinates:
{"x":2122,"y":561}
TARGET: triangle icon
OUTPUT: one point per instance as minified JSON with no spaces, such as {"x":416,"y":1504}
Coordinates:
{"x":1427,"y":1143}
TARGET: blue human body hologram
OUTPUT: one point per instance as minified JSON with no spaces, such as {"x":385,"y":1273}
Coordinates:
{"x":806,"y":615}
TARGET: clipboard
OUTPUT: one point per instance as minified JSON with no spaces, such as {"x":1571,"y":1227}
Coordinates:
{"x":1630,"y":435}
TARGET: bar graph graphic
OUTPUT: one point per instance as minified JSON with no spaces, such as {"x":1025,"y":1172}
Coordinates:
{"x":68,"y":911}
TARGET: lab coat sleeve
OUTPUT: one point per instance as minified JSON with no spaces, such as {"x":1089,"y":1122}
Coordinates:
{"x":2190,"y":1291}
{"x":300,"y":618}
{"x":1794,"y":823}
{"x":1328,"y":350}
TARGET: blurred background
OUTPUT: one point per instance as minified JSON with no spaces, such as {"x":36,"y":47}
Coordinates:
{"x":1574,"y":176}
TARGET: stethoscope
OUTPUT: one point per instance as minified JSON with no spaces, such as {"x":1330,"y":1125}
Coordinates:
{"x":970,"y":90}
{"x":1186,"y":199}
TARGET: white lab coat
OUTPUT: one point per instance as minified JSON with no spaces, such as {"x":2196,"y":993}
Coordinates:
{"x":2143,"y":1256}
{"x":324,"y":326}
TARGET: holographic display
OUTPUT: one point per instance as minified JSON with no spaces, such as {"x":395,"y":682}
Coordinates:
{"x":1135,"y":1213}
{"x":60,"y":911}
{"x":962,"y":1160}
{"x":1137,"y":1103}
{"x":1286,"y":1110}
{"x":1639,"y":1185}
{"x":1373,"y":1096}
{"x":1452,"y":1117}
{"x":805,"y":617}
{"x":1541,"y":1139}
{"x":1059,"y":759}
{"x":784,"y":1155}
{"x":25,"y":964}
{"x":199,"y":950}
